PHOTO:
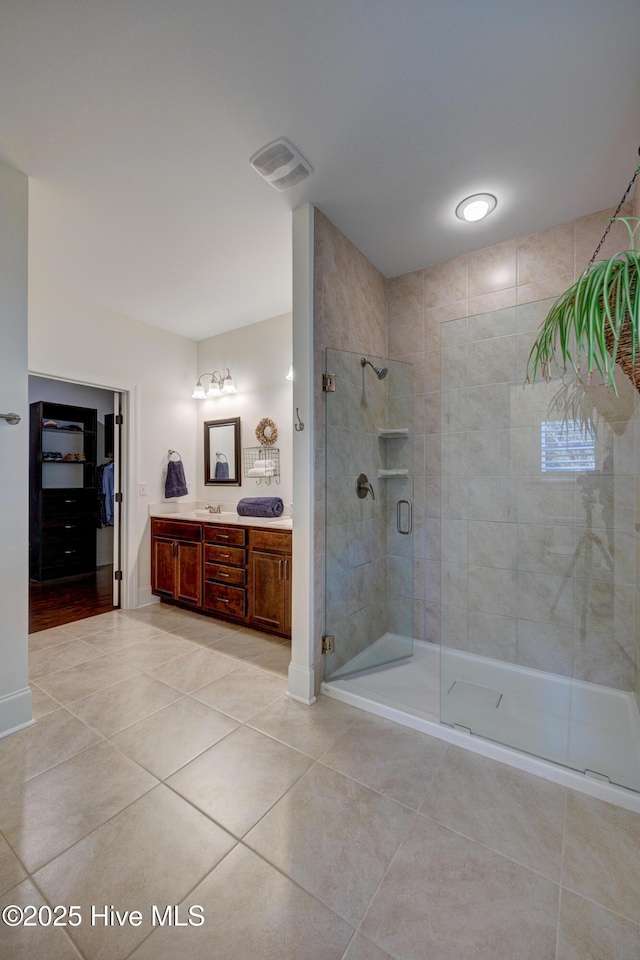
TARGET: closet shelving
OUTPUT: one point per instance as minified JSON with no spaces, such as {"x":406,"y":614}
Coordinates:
{"x":62,"y":493}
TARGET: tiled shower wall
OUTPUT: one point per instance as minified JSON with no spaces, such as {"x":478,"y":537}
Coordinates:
{"x":356,"y":309}
{"x":350,"y":313}
{"x":420,"y":306}
{"x":538,"y":564}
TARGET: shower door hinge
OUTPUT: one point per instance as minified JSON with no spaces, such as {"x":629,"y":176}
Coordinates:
{"x":328,"y":383}
{"x":119,"y":419}
{"x":118,"y":497}
{"x":117,"y":575}
{"x":328,"y":644}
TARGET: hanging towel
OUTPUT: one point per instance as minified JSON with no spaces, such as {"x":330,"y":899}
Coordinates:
{"x":222,"y":470}
{"x":176,"y":484}
{"x":260,"y":507}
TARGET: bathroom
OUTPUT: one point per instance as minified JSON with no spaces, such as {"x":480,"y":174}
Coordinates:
{"x":525,"y":574}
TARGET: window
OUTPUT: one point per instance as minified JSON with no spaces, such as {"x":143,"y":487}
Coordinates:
{"x":567,"y":445}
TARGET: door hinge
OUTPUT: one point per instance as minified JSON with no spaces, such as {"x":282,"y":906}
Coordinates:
{"x":328,"y":383}
{"x":118,"y":498}
{"x":329,"y":644}
{"x":119,"y":419}
{"x":117,"y":575}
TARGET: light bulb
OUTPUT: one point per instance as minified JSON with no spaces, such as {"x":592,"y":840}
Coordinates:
{"x":198,"y":392}
{"x":476,"y":207}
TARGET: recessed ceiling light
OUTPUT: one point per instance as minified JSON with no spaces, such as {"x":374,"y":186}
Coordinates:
{"x":476,"y":207}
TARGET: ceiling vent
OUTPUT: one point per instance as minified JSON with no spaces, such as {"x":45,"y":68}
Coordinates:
{"x":281,"y":165}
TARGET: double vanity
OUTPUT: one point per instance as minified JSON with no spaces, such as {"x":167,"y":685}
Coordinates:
{"x":220,"y":564}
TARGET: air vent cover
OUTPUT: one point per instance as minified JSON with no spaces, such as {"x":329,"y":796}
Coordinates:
{"x":280,"y":164}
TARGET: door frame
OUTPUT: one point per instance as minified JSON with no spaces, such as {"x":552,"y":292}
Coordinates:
{"x":128,"y":475}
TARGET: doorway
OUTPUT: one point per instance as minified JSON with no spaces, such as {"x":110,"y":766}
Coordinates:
{"x":75,"y":455}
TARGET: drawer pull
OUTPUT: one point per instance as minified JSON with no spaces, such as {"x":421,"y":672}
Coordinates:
{"x":225,"y":555}
{"x":69,"y":551}
{"x":221,"y":574}
{"x":69,"y":526}
{"x":222,"y":536}
{"x":70,"y":501}
{"x":222,"y":600}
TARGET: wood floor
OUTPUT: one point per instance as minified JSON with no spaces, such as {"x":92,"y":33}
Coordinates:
{"x":55,"y":602}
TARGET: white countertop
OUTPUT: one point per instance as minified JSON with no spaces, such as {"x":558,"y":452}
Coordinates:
{"x":230,"y":519}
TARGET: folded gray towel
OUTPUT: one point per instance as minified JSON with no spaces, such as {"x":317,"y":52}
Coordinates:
{"x":176,"y":484}
{"x":260,"y":507}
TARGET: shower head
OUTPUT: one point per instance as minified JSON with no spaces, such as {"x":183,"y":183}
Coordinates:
{"x":380,"y":372}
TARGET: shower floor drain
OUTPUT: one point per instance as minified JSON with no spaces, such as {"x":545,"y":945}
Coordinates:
{"x":472,"y":693}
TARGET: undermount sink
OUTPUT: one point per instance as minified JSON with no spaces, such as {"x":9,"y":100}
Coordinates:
{"x":213,"y":516}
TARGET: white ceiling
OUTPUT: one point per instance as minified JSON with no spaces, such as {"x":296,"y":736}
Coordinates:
{"x":135,"y":120}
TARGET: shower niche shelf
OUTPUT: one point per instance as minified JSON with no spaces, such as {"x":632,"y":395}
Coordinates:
{"x":393,"y":472}
{"x":392,"y":433}
{"x":389,"y":433}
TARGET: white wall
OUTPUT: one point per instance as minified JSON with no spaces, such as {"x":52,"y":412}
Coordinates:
{"x":258,"y":357}
{"x":82,"y":342}
{"x":15,"y":696}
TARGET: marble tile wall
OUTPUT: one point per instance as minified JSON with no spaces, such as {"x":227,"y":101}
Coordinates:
{"x":477,"y":313}
{"x":350,"y":313}
{"x":410,"y":318}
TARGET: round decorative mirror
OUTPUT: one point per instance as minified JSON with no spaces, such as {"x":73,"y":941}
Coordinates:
{"x":267,"y":432}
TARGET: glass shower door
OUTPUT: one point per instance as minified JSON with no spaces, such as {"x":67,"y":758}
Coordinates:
{"x":538,"y":552}
{"x":369,"y":577}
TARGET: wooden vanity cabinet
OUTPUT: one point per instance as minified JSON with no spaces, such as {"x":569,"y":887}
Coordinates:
{"x":225,"y":571}
{"x":237,"y":573}
{"x":270,"y":580}
{"x":176,"y":561}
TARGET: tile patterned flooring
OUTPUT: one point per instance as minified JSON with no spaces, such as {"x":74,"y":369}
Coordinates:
{"x":167,"y":767}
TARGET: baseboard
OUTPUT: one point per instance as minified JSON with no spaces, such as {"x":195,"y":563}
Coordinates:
{"x":145,"y":597}
{"x":15,"y":712}
{"x":301,"y":684}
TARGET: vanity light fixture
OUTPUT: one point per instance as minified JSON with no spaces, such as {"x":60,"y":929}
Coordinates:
{"x":289,"y":375}
{"x":219,"y":384}
{"x":476,"y":207}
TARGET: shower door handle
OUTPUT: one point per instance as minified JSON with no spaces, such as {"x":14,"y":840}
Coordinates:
{"x":407,"y":527}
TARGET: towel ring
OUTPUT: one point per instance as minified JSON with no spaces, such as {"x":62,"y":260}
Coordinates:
{"x":169,"y":454}
{"x":220,"y":455}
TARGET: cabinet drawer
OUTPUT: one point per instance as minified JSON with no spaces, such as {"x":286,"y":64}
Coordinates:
{"x":70,"y":528}
{"x":230,"y":601}
{"x":177,"y":530}
{"x":228,"y":556}
{"x":234,"y":536}
{"x":71,"y":551}
{"x":232,"y":575}
{"x":68,"y":502}
{"x":278,"y":541}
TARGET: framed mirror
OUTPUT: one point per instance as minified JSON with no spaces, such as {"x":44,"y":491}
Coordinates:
{"x":222,"y":452}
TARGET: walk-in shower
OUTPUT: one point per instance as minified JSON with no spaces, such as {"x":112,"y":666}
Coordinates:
{"x":521,"y":627}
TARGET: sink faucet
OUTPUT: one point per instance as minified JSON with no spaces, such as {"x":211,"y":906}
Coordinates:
{"x":213,"y":509}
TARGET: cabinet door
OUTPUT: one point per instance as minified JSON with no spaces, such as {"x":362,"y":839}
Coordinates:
{"x":189,"y":572}
{"x":163,"y":565}
{"x":267,"y":591}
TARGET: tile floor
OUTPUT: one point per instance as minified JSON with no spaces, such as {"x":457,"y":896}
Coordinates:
{"x":167,"y":767}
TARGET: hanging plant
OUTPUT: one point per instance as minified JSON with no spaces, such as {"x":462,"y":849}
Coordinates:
{"x":596,"y":322}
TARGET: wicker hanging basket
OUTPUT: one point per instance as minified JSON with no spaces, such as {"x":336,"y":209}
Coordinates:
{"x":625,"y":354}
